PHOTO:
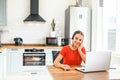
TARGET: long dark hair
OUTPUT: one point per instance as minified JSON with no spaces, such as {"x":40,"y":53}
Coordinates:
{"x":77,"y":32}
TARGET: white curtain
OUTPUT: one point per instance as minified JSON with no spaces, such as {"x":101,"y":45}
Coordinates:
{"x":118,"y":27}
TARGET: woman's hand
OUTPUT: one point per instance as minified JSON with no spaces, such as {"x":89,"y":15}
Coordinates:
{"x":81,"y":53}
{"x":65,"y":67}
{"x":80,"y":47}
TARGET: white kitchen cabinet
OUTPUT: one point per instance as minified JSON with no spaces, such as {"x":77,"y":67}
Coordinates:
{"x":2,"y":64}
{"x":14,"y":60}
{"x":48,"y":56}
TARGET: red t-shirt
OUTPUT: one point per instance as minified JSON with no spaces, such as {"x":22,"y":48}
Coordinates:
{"x":71,"y":57}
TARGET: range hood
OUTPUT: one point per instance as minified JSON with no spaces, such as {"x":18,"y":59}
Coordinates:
{"x":34,"y":12}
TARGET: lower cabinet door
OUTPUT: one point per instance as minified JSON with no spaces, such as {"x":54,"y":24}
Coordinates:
{"x":2,"y":67}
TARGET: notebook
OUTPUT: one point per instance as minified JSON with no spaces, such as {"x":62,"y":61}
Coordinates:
{"x":96,"y":61}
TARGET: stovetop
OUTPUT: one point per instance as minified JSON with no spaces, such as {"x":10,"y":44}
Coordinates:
{"x":34,"y":50}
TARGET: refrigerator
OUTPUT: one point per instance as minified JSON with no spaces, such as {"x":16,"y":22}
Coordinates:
{"x":78,"y":18}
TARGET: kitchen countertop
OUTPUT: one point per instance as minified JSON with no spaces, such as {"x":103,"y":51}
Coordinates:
{"x":29,"y":46}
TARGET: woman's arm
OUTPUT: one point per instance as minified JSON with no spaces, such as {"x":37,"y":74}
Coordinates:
{"x":83,"y":56}
{"x":57,"y":60}
{"x":58,"y":64}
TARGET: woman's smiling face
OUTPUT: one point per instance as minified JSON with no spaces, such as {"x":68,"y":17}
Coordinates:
{"x":77,"y":40}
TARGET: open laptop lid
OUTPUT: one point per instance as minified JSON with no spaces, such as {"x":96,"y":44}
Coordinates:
{"x":97,"y":61}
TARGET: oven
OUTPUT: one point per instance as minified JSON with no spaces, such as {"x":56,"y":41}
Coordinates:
{"x":33,"y":59}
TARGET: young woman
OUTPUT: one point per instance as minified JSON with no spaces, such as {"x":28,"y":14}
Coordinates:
{"x":72,"y":54}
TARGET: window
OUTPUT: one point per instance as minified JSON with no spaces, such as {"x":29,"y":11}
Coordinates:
{"x":111,"y":25}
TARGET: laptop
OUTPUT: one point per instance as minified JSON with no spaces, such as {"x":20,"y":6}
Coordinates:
{"x":96,"y":61}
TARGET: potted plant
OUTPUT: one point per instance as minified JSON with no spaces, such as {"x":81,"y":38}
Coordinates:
{"x":53,"y":24}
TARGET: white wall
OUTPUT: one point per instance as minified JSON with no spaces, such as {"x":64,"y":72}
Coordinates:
{"x":18,"y":10}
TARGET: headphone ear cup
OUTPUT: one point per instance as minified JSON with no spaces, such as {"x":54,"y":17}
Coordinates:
{"x":21,"y":39}
{"x":14,"y":39}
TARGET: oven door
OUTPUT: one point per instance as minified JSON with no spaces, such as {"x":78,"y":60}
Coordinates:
{"x":33,"y":61}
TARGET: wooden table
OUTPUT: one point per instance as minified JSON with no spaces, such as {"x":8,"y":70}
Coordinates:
{"x":59,"y":74}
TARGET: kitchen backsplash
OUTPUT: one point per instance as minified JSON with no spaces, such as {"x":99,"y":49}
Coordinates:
{"x":29,"y":34}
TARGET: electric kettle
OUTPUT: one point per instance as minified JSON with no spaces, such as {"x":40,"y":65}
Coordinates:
{"x":18,"y":41}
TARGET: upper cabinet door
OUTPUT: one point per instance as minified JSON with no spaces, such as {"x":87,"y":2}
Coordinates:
{"x":2,"y":12}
